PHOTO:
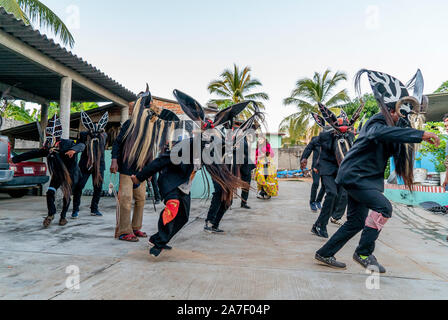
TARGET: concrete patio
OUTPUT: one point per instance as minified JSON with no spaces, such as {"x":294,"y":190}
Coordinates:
{"x":267,"y":253}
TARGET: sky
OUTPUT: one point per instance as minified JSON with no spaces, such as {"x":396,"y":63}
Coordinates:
{"x":184,"y":45}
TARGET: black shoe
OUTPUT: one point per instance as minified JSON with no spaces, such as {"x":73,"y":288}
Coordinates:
{"x":370,"y":263}
{"x":320,"y":232}
{"x":155,"y":251}
{"x":217,"y":230}
{"x":245,"y":206}
{"x":208,"y":227}
{"x":313,"y":206}
{"x":165,"y":247}
{"x":157,"y":201}
{"x":331,"y":262}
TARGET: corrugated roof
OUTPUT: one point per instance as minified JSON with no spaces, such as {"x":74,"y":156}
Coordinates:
{"x":48,"y":47}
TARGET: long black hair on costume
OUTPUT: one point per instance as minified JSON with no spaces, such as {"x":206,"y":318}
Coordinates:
{"x":59,"y":173}
{"x":95,"y":145}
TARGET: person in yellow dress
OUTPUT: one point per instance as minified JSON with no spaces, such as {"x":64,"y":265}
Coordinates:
{"x":266,"y":172}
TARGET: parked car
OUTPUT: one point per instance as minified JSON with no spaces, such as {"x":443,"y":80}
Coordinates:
{"x":27,"y":175}
{"x":6,"y":174}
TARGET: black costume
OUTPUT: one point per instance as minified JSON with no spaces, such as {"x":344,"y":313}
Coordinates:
{"x":362,"y":171}
{"x":314,"y":148}
{"x":175,"y":179}
{"x":92,"y":162}
{"x":246,"y":172}
{"x":64,"y":170}
{"x":336,"y":198}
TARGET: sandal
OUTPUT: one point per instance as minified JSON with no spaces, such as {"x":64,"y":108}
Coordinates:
{"x":63,"y":222}
{"x":140,"y":234}
{"x":47,"y":221}
{"x":128,"y":237}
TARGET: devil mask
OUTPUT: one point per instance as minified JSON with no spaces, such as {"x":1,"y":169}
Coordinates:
{"x":53,"y":132}
{"x":392,"y":94}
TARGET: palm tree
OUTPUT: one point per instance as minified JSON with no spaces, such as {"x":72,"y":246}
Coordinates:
{"x":306,"y":96}
{"x":35,"y":12}
{"x":235,"y":86}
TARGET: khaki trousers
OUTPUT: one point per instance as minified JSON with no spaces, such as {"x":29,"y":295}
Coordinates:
{"x":126,"y":193}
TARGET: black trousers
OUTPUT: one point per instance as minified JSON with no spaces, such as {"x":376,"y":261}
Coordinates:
{"x":335,"y":201}
{"x":245,"y":193}
{"x":51,"y":198}
{"x":217,"y":207}
{"x":314,"y":196}
{"x":77,"y":193}
{"x":167,"y":232}
{"x":359,"y":204}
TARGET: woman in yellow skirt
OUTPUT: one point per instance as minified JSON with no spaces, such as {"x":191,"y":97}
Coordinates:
{"x":266,"y":173}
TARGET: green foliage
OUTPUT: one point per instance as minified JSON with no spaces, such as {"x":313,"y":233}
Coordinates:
{"x":387,"y":171}
{"x":370,"y":108}
{"x":35,"y":12}
{"x":19,"y":113}
{"x":76,"y":107}
{"x":306,"y":96}
{"x":443,"y":88}
{"x":438,"y":153}
{"x":235,"y":86}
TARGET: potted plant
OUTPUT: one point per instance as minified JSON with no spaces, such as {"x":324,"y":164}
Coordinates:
{"x":436,"y":154}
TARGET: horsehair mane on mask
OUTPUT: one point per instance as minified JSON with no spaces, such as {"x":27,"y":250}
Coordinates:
{"x":95,"y":144}
{"x":150,"y":128}
{"x":392,"y":94}
{"x":219,"y":172}
{"x":53,"y":131}
{"x":56,"y":166}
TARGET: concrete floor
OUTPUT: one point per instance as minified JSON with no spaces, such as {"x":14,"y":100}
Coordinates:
{"x":267,"y":253}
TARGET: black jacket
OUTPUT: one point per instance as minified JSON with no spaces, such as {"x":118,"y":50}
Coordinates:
{"x":248,"y":165}
{"x":65,"y":145}
{"x":364,"y":165}
{"x":117,"y":152}
{"x":171,"y":175}
{"x":312,"y":147}
{"x":327,"y":163}
{"x":85,"y":157}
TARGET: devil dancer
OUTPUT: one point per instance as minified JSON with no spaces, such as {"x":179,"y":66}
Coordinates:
{"x":218,"y":205}
{"x":91,"y":163}
{"x":386,"y":134}
{"x":63,"y":166}
{"x":179,"y":165}
{"x":139,"y":140}
{"x":335,"y":141}
{"x":315,"y":198}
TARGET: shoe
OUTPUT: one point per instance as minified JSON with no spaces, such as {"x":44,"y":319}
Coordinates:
{"x":370,"y":263}
{"x":245,"y":206}
{"x":338,"y":222}
{"x":318,"y":205}
{"x":165,"y":247}
{"x":318,"y":231}
{"x":75,"y":215}
{"x":157,"y":202}
{"x":217,"y":230}
{"x":331,"y":262}
{"x":313,"y":206}
{"x":96,"y":214}
{"x":155,"y":251}
{"x":63,"y":222}
{"x":208,"y":227}
{"x":47,"y":221}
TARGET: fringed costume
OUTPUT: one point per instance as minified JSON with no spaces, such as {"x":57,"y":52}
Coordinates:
{"x":178,"y":166}
{"x":63,"y":166}
{"x":362,"y":171}
{"x":92,"y":162}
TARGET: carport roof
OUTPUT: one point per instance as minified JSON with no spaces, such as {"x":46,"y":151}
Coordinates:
{"x":32,"y":77}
